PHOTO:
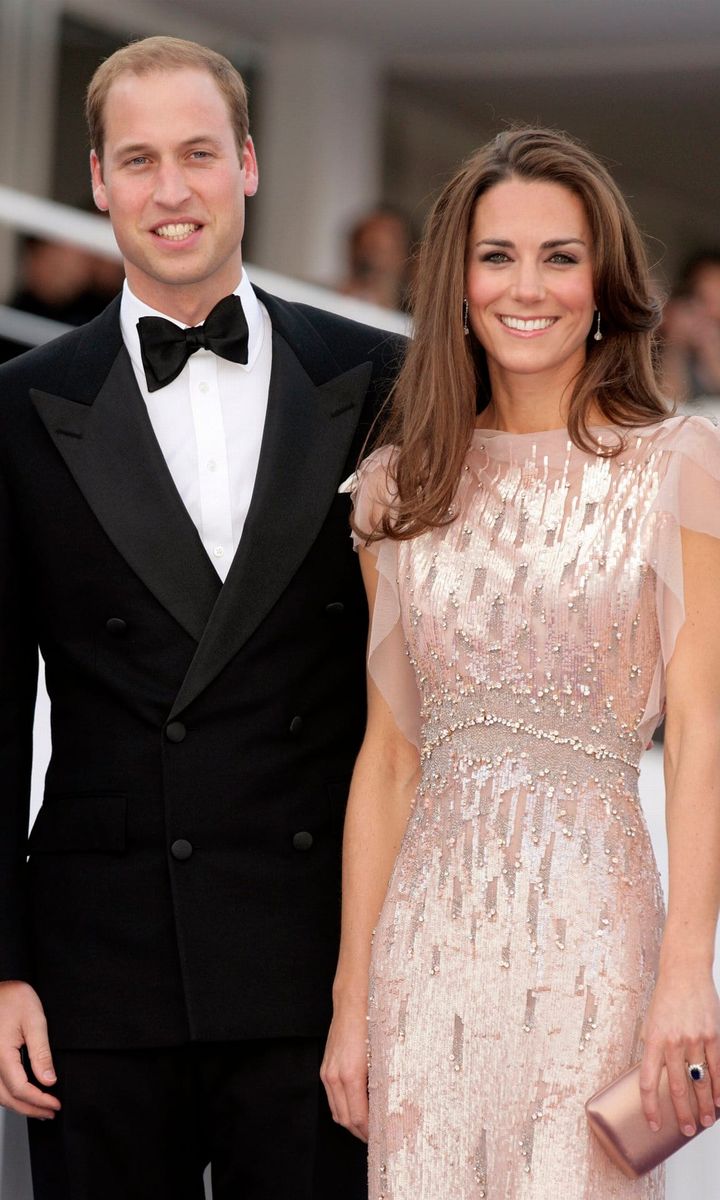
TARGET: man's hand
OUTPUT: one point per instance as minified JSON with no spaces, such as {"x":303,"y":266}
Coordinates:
{"x":22,"y":1023}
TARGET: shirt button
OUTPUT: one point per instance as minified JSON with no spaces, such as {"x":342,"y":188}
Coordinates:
{"x":335,"y":609}
{"x":296,"y":724}
{"x":181,"y":849}
{"x":218,"y":551}
{"x":302,"y":840}
{"x":211,"y":465}
{"x":175,"y":732}
{"x":204,"y":388}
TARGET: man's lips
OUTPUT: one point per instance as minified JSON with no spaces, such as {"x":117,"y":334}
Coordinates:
{"x":176,"y":231}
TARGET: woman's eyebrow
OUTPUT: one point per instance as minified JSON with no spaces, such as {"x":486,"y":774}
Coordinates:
{"x":550,"y":245}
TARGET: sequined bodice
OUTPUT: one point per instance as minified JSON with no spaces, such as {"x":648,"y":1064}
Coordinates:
{"x":534,"y":611}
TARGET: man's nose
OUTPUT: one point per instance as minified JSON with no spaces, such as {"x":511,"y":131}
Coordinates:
{"x":171,"y":186}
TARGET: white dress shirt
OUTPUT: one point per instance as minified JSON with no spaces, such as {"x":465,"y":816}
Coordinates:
{"x":209,"y":424}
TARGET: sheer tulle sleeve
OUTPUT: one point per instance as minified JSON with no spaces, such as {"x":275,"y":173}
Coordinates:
{"x":388,"y":663}
{"x":688,"y":497}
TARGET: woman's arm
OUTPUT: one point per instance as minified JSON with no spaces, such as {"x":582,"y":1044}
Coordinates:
{"x":683,"y":1023}
{"x":381,"y":794}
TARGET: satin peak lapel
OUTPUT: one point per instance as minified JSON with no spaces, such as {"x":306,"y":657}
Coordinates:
{"x":111,"y":451}
{"x":306,"y":442}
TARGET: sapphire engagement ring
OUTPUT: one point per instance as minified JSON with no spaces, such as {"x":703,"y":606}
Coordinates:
{"x":697,"y":1071}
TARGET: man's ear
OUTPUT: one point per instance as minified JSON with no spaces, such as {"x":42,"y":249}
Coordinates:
{"x":98,"y":187}
{"x":250,"y":167}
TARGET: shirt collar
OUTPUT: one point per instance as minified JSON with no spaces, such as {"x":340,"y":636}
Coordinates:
{"x":131,"y":309}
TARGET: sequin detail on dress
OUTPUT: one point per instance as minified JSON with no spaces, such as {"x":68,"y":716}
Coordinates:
{"x":516,"y":951}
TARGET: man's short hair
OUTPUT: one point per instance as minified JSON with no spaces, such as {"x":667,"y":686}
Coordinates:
{"x":165,"y":54}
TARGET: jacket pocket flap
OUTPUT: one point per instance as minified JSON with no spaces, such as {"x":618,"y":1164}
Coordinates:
{"x":82,"y":823}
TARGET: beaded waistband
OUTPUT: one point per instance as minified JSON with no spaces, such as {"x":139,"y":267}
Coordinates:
{"x":593,"y":750}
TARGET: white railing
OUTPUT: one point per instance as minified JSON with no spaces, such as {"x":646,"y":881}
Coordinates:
{"x":48,"y":219}
{"x":28,"y":329}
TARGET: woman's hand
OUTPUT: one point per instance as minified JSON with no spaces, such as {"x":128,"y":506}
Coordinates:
{"x":682,"y":1027}
{"x":344,"y":1069}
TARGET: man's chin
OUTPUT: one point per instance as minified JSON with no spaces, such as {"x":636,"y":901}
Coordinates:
{"x":176,"y":275}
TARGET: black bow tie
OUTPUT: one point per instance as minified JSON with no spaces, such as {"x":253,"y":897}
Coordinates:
{"x":165,"y":347}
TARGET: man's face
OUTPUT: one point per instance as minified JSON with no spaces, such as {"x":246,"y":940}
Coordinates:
{"x":175,"y":188}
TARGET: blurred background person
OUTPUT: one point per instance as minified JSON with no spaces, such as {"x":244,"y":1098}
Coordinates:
{"x":379,"y":249}
{"x":54,"y":280}
{"x":61,"y":282}
{"x":691,"y":333}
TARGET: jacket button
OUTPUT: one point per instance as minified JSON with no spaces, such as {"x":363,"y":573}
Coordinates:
{"x":302,"y":840}
{"x":336,"y":609}
{"x":175,"y":731}
{"x":116,"y":626}
{"x":296,"y":724}
{"x":181,"y":849}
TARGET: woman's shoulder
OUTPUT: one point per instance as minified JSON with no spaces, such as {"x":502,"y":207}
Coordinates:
{"x":374,"y":474}
{"x":372,"y":488}
{"x":684,"y":451}
{"x":691,"y":435}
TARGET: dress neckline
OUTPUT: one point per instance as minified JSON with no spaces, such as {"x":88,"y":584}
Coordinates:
{"x":606,"y":434}
{"x":555,"y":447}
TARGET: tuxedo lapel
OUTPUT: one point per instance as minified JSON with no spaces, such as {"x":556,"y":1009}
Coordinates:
{"x":306,"y":441}
{"x":109,"y":447}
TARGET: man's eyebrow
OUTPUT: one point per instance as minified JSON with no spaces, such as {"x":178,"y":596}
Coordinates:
{"x":207,"y":139}
{"x":130,"y":148}
{"x":550,"y":245}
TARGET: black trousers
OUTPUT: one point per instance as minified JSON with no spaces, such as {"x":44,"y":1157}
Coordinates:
{"x":144,"y":1124}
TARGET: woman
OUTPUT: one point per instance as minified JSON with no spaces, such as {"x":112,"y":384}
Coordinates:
{"x":534,"y":605}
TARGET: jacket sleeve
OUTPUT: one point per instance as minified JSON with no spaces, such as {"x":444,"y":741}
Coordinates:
{"x":18,"y":687}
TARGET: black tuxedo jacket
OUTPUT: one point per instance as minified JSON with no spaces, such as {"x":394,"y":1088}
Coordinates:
{"x":183,"y":878}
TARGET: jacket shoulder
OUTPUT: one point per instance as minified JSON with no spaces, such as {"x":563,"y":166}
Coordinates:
{"x":38,"y":367}
{"x":76,"y":362}
{"x":346,"y":342}
{"x":356,"y":334}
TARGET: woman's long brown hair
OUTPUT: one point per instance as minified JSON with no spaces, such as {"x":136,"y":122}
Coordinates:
{"x":444,"y":377}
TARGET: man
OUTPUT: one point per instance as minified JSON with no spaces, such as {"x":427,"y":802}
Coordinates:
{"x":172,"y":538}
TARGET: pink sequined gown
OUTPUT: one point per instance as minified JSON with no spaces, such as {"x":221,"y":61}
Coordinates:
{"x":516,"y":950}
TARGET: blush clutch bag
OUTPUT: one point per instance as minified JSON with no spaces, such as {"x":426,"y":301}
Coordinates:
{"x":616,"y":1118}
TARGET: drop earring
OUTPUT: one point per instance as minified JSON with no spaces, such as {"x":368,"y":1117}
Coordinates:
{"x":598,"y":333}
{"x":466,"y":329}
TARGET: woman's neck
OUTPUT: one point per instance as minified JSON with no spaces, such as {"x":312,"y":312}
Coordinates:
{"x":528,"y":403}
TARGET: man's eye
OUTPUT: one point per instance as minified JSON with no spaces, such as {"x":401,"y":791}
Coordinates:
{"x":200,"y":154}
{"x":138,"y":161}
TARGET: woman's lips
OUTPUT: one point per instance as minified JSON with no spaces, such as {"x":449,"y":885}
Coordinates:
{"x":526,"y":325}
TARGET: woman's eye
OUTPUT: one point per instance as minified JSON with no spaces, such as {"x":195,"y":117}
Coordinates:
{"x":496,"y":256}
{"x":562,"y":258}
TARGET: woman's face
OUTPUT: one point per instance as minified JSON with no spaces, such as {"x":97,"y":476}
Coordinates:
{"x":529,"y":279}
